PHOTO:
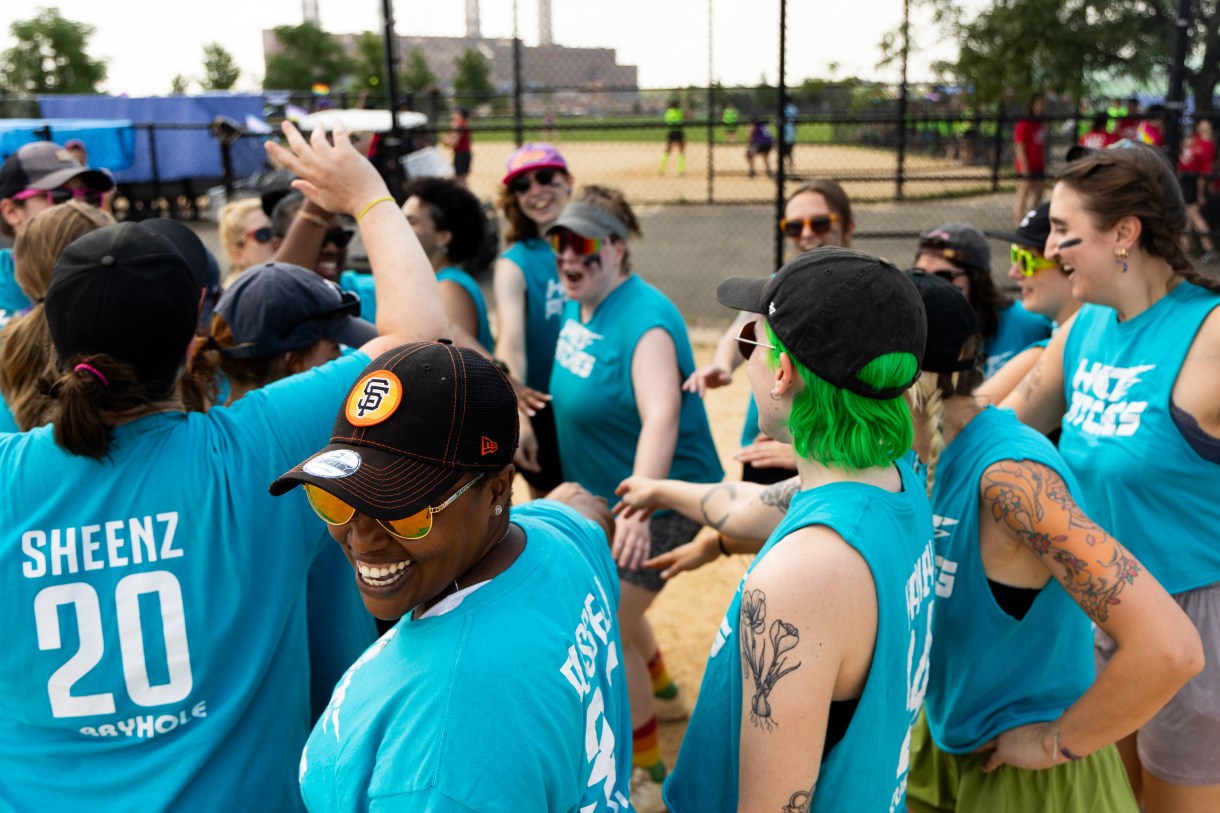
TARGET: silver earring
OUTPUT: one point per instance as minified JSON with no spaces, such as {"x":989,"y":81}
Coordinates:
{"x":497,"y":510}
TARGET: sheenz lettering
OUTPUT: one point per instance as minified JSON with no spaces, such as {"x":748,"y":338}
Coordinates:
{"x":113,"y":544}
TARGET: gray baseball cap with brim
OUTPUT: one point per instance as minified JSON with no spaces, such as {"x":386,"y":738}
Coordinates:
{"x":588,"y":221}
{"x":45,"y":165}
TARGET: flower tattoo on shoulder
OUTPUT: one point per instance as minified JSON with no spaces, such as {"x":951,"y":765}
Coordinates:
{"x":765,"y":668}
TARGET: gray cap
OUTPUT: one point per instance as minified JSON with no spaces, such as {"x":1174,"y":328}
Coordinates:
{"x":960,"y":243}
{"x":276,"y":308}
{"x":589,"y":221}
{"x":45,"y":165}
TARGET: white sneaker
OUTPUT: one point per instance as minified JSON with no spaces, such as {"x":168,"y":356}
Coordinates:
{"x":645,"y":792}
{"x":671,"y":709}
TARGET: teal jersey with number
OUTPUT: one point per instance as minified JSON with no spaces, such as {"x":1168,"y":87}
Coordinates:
{"x":155,"y":606}
{"x":1141,"y":480}
{"x":544,"y":301}
{"x":515,"y":700}
{"x":1018,"y":329}
{"x":867,"y":769}
{"x":459,"y":277}
{"x":597,"y":418}
{"x":972,"y":696}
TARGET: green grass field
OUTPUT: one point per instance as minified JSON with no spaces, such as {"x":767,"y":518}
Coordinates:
{"x":631,"y":129}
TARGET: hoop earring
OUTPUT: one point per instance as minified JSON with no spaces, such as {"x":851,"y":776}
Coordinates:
{"x":1120,"y":256}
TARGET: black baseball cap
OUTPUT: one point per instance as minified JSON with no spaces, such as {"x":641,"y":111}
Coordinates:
{"x":46,"y":165}
{"x":1033,"y":230}
{"x":275,"y":308}
{"x":126,"y":291}
{"x":419,"y":418}
{"x":201,"y":261}
{"x":960,"y":243}
{"x":951,"y":322}
{"x":836,"y":310}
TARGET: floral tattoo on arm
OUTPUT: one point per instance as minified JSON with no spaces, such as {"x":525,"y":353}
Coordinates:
{"x":765,"y":668}
{"x":1034,"y":503}
{"x":779,"y":495}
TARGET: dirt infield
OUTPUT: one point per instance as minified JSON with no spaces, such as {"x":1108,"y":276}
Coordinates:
{"x":633,"y":167}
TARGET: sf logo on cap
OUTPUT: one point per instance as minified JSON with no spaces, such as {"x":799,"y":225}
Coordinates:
{"x":374,"y":398}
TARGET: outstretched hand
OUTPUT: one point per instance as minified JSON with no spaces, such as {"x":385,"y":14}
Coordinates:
{"x":707,"y":378}
{"x":704,"y":548}
{"x":334,"y":176}
{"x":638,"y":498}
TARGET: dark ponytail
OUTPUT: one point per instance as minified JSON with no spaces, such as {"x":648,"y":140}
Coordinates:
{"x":89,"y":391}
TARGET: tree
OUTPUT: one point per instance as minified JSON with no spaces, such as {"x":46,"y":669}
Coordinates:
{"x":1010,"y":49}
{"x":369,"y":71}
{"x":472,"y":84}
{"x":417,"y":75}
{"x":309,"y":56}
{"x":220,"y":71}
{"x":178,"y":84}
{"x":50,"y":57}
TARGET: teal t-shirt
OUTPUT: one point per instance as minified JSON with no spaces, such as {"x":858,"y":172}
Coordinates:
{"x":972,"y":696}
{"x":456,"y":275}
{"x":1018,"y":329}
{"x":597,"y":419}
{"x":362,"y":285}
{"x":544,"y":301}
{"x":1141,"y":480}
{"x":8,"y":423}
{"x":12,"y":299}
{"x":867,"y":769}
{"x":515,"y":700}
{"x":155,"y":607}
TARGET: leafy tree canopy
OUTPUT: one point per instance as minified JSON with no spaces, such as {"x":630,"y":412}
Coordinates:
{"x":309,"y":56}
{"x":50,"y":57}
{"x":220,"y":70}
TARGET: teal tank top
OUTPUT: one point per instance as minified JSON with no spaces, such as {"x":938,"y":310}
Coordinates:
{"x":457,"y":275}
{"x":1017,"y":330}
{"x":972,"y":695}
{"x":1141,"y":480}
{"x":867,"y":769}
{"x":544,"y":300}
{"x":597,"y":419}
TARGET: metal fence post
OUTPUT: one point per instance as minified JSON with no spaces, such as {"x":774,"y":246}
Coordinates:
{"x":781,"y":101}
{"x":998,"y":150}
{"x":152,"y":155}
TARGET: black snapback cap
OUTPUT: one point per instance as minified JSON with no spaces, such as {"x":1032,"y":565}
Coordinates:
{"x":836,"y":310}
{"x":418,"y":419}
{"x":951,"y":322}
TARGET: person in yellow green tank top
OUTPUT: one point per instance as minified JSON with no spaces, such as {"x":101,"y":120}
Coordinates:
{"x":675,"y":138}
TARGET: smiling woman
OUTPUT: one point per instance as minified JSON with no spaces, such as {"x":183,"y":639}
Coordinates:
{"x":414,"y":487}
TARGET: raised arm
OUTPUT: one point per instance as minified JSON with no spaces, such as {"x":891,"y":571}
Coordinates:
{"x":340,"y":179}
{"x":1039,"y":400}
{"x":807,"y":630}
{"x":1030,"y":503}
{"x":508,"y":283}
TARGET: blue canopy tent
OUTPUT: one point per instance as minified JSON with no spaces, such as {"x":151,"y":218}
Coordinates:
{"x":111,"y":142}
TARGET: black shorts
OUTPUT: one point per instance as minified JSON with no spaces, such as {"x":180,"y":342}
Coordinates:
{"x":1032,"y":176}
{"x":675,"y":137}
{"x":1190,"y":188}
{"x":668,"y":531}
{"x":551,"y":473}
{"x":461,"y":164}
{"x":758,"y":149}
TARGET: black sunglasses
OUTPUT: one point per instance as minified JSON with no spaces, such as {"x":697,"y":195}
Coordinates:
{"x":340,"y":237}
{"x":747,"y":340}
{"x":262,"y":236}
{"x":521,"y":184}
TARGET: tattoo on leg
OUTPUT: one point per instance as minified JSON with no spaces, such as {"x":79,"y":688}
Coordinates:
{"x":801,"y":801}
{"x":1032,"y":500}
{"x":765,"y":671}
{"x":706,"y":506}
{"x":780,"y":494}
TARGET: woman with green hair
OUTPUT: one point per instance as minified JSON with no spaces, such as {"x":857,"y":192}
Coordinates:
{"x":818,"y":668}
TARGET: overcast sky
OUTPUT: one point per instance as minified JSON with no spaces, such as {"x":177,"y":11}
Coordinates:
{"x":147,"y":42}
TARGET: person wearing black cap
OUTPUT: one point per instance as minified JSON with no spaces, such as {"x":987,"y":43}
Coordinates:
{"x":506,"y":662}
{"x":622,"y":355}
{"x":1046,"y":290}
{"x":794,"y":712}
{"x":961,"y":254}
{"x":35,"y":177}
{"x":157,"y":634}
{"x":1011,"y":679}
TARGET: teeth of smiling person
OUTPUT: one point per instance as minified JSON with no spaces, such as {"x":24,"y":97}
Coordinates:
{"x":370,"y":574}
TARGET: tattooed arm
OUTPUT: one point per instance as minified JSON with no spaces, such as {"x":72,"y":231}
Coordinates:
{"x":748,"y":511}
{"x":1031,"y":504}
{"x":1038,"y":399}
{"x":807,"y":629}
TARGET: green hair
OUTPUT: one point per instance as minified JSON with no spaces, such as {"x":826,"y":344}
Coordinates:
{"x":839,"y":428}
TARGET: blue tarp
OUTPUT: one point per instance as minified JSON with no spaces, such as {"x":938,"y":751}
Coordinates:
{"x":111,"y":143}
{"x":182,"y":152}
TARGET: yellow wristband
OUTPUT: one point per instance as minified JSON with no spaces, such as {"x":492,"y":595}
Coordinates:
{"x":314,"y":219}
{"x":365,"y":210}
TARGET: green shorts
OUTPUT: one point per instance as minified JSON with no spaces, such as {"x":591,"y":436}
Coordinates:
{"x":940,"y":782}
